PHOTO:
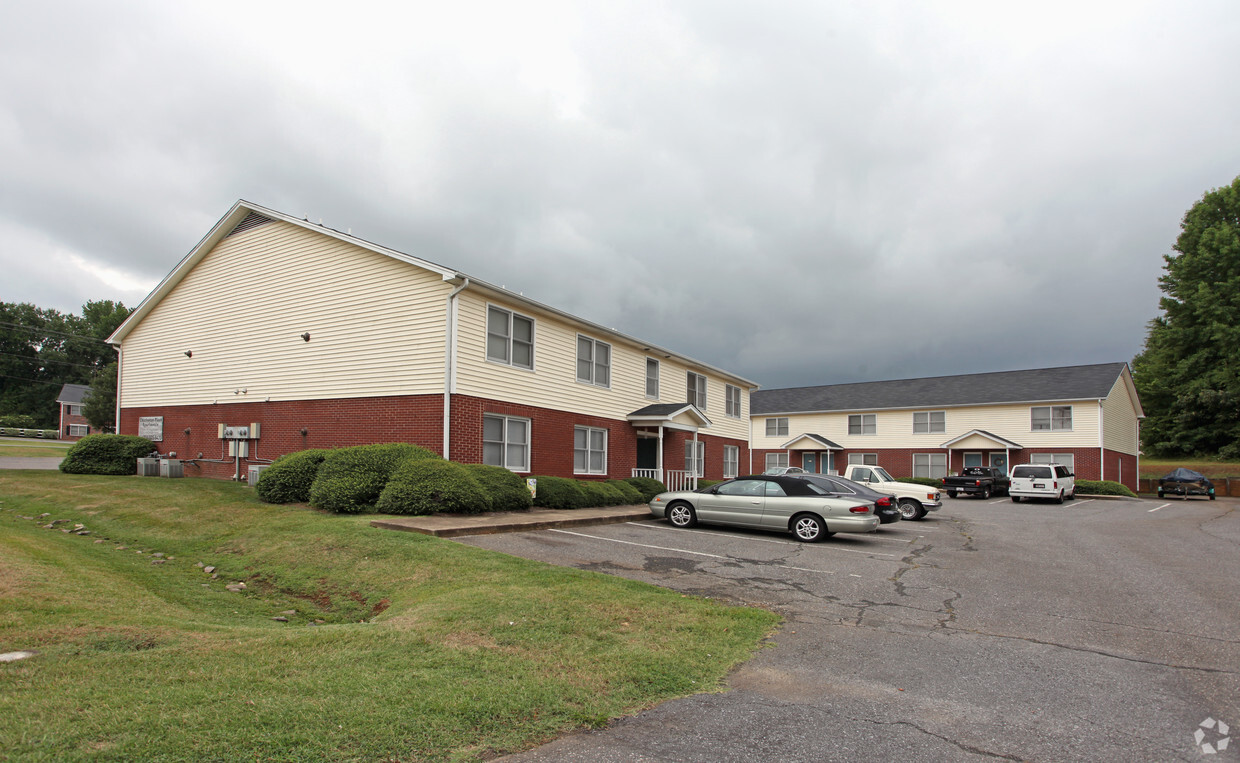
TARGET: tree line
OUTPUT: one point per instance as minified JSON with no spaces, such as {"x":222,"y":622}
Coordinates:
{"x":42,"y":349}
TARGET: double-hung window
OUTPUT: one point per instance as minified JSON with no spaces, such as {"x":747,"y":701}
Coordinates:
{"x":863,"y":423}
{"x":78,"y":430}
{"x":695,"y":457}
{"x":731,"y":461}
{"x":697,"y":391}
{"x":652,"y":378}
{"x":510,"y":338}
{"x":1051,"y":418}
{"x":776,"y":459}
{"x":929,"y":422}
{"x":75,"y":410}
{"x":506,"y":442}
{"x":589,"y":450}
{"x":777,"y":427}
{"x":593,"y":361}
{"x":1066,"y":459}
{"x":932,"y":465}
{"x":734,"y":401}
{"x":866,"y":459}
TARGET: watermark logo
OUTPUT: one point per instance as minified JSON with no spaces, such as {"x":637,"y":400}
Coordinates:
{"x":1211,"y":736}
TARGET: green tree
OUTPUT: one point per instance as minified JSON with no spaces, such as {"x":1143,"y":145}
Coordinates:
{"x":99,"y":407}
{"x":1188,"y":375}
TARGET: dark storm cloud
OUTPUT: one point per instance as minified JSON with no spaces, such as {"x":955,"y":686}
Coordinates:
{"x":801,"y":193}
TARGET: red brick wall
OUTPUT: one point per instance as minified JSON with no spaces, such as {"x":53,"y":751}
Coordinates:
{"x":1121,"y":467}
{"x":66,"y":419}
{"x":416,"y":419}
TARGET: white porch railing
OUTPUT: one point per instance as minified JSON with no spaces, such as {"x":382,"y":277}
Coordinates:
{"x":674,"y":479}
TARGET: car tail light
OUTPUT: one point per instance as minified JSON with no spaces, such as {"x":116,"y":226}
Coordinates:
{"x":977,"y":483}
{"x":884,"y":502}
{"x":862,"y":509}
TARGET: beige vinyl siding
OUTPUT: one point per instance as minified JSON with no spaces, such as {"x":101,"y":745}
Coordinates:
{"x":1119,"y":419}
{"x":553,"y":381}
{"x":376,"y":325}
{"x":894,"y":429}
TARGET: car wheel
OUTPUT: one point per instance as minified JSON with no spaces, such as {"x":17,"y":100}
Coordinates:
{"x":910,"y":509}
{"x":809,"y":528}
{"x":681,"y":515}
{"x":951,"y":493}
{"x":1160,"y":493}
{"x":1059,"y":498}
{"x":1211,"y":496}
{"x":1072,"y":495}
{"x":985,"y":493}
{"x":1016,"y":499}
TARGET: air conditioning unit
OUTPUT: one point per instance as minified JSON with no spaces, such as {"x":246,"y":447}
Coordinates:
{"x":148,"y":467}
{"x":171,"y":467}
{"x":256,"y":471}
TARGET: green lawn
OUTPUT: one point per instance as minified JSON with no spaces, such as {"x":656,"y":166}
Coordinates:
{"x":424,"y":649}
{"x":33,"y":448}
{"x":1155,"y":468}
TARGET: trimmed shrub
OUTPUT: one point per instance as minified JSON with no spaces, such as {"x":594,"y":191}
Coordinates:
{"x":632,"y":496}
{"x":506,"y":490}
{"x":559,"y":493}
{"x":424,"y":486}
{"x":106,"y":454}
{"x":350,"y":480}
{"x":931,"y":481}
{"x":290,"y":476}
{"x":600,"y":494}
{"x":1102,"y":487}
{"x":707,"y":483}
{"x":648,"y":487}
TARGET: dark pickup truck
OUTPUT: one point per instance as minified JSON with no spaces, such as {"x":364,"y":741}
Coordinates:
{"x":977,"y":480}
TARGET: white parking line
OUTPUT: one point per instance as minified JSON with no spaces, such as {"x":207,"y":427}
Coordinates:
{"x":1165,"y":505}
{"x":764,"y":540}
{"x":685,"y":551}
{"x":1005,"y":500}
{"x":1087,"y":500}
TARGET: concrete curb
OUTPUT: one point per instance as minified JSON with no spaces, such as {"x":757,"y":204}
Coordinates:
{"x":453,"y":525}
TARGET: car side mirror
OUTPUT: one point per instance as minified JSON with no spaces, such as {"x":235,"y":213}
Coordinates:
{"x":714,"y":490}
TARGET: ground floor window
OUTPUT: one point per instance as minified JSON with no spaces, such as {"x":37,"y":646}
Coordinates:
{"x":731,"y":461}
{"x":868,"y":459}
{"x":506,"y":442}
{"x":776,"y":459}
{"x":78,"y":430}
{"x":695,"y":457}
{"x":1064,"y":459}
{"x":934,"y":465}
{"x":589,"y":450}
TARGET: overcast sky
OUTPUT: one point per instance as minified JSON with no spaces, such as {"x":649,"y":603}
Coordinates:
{"x":800,"y":192}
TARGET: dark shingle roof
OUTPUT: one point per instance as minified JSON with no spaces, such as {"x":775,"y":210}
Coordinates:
{"x":1036,"y":385}
{"x":660,"y":409}
{"x":73,"y":394}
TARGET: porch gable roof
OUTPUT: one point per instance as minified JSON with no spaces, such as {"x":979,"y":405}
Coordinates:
{"x":982,"y":433}
{"x":816,"y":442}
{"x":665,"y":414}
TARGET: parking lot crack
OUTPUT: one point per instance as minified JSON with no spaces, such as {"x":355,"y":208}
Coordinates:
{"x":1043,"y":642}
{"x":960,"y":745}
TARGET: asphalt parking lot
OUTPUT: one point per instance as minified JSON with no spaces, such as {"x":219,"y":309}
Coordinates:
{"x":1089,"y":630}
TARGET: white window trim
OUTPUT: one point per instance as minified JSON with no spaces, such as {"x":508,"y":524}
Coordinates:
{"x":75,"y":410}
{"x":930,"y":464}
{"x":1055,"y":458}
{"x":777,"y":433}
{"x":658,"y":378}
{"x":698,"y":449}
{"x":930,"y":422}
{"x":728,"y":390}
{"x":529,"y":437}
{"x":594,"y":344}
{"x":1050,"y":411}
{"x":863,"y":457}
{"x":486,"y":335}
{"x":863,"y":433}
{"x":965,"y":457}
{"x":589,"y":431}
{"x":701,"y":404}
{"x":781,"y":459}
{"x":734,"y":470}
{"x":73,"y":430}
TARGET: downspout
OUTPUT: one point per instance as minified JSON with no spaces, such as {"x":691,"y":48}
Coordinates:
{"x":120,"y":367}
{"x":449,"y":367}
{"x":1102,"y":448}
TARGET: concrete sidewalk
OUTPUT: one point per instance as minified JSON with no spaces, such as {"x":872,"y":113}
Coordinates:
{"x":451,"y":525}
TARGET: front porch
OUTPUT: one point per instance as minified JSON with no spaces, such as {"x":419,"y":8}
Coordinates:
{"x":660,"y":428}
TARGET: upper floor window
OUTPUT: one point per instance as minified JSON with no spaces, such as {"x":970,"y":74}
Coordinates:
{"x":652,"y":378}
{"x":75,"y":410}
{"x":1051,"y":417}
{"x":929,"y":422}
{"x":863,"y":423}
{"x":510,"y":338}
{"x":593,"y":361}
{"x":734,"y":401}
{"x":697,"y":391}
{"x":777,"y":427}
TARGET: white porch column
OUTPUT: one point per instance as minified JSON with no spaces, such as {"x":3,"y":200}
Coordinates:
{"x":660,"y":461}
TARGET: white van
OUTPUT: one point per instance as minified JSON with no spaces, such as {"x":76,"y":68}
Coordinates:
{"x":1054,"y":481}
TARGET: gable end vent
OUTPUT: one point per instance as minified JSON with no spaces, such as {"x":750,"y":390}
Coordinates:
{"x":252,"y":220}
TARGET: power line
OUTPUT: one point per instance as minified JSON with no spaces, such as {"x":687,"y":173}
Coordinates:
{"x":55,"y":333}
{"x":41,"y":360}
{"x":33,"y":381}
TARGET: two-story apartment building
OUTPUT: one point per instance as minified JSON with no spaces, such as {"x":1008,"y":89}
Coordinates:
{"x":73,"y":425}
{"x":1086,"y":417}
{"x":323,"y":340}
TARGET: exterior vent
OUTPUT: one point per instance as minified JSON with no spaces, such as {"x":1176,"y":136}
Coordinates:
{"x":255,"y":472}
{"x":252,"y":220}
{"x":148,"y":467}
{"x":171,"y":467}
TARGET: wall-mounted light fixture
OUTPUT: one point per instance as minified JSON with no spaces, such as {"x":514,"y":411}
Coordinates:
{"x":306,"y":336}
{"x":186,"y":431}
{"x":189,"y":353}
{"x":304,"y":431}
{"x":241,"y":391}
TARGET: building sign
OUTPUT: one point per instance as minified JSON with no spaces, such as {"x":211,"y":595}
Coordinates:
{"x":151,"y":427}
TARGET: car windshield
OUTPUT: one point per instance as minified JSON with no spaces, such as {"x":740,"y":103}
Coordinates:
{"x":1032,"y":472}
{"x":882,"y":474}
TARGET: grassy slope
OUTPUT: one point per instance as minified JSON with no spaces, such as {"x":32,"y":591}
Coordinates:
{"x":429,"y":649}
{"x":1155,"y":468}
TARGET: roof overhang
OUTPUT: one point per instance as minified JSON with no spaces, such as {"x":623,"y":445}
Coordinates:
{"x":686,"y":417}
{"x":810,"y":441}
{"x":983,"y":436}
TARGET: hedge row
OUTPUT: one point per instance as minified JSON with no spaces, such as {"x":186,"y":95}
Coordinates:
{"x":1102,"y":487}
{"x":115,"y":454}
{"x":564,"y":493}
